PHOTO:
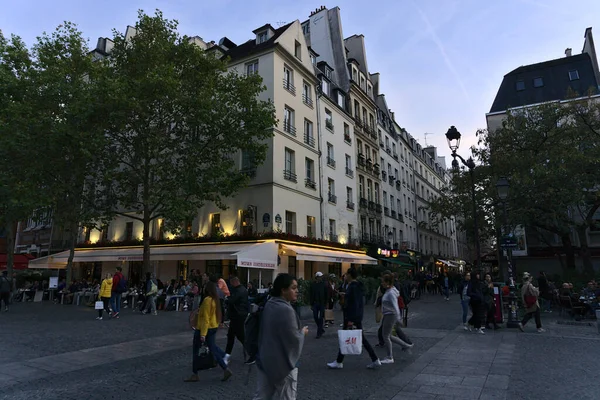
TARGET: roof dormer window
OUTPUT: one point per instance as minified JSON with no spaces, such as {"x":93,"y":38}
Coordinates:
{"x":520,"y":85}
{"x":262,"y":37}
{"x":264,"y":33}
{"x":538,"y":82}
{"x":573,"y":75}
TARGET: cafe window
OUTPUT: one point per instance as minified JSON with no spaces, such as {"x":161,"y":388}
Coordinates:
{"x":335,"y":268}
{"x":308,"y":269}
{"x":292,"y":266}
{"x":214,"y":267}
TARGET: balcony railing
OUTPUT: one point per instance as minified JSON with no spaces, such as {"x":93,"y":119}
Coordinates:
{"x":361,"y":160}
{"x":391,"y":180}
{"x":309,"y":183}
{"x":349,"y":205}
{"x":349,"y":172}
{"x":289,"y":128}
{"x":381,"y":144}
{"x":386,"y":211}
{"x":290,"y":176}
{"x":347,"y":138}
{"x":378,"y":208}
{"x":396,"y":156}
{"x":383,"y":175}
{"x":398,"y":185}
{"x":332,"y":198}
{"x":307,"y":100}
{"x":331,"y":162}
{"x":289,"y":86}
{"x":329,"y":125}
{"x":309,"y":139}
{"x":363,"y":202}
{"x":393,"y":213}
{"x":371,"y":205}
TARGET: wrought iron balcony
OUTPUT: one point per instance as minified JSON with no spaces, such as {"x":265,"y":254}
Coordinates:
{"x":349,"y":205}
{"x":307,"y":100}
{"x":332,"y":198}
{"x":331,"y":162}
{"x":363,"y":202}
{"x":309,"y":183}
{"x":289,"y":128}
{"x":349,"y":172}
{"x":329,"y":125}
{"x":289,"y":175}
{"x":309,"y":139}
{"x":289,"y":86}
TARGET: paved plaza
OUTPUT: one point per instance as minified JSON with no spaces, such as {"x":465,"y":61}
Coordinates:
{"x":61,"y":352}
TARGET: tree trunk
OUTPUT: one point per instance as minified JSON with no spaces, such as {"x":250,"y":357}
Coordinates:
{"x":146,"y":240}
{"x":72,"y":241}
{"x":569,"y":251}
{"x":584,"y":251}
{"x":10,"y":248}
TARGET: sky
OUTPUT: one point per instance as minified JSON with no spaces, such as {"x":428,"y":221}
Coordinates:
{"x":441,"y":61}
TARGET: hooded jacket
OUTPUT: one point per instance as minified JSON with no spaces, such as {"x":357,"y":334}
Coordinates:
{"x":354,"y":301}
{"x":389,"y":302}
{"x":106,"y":288}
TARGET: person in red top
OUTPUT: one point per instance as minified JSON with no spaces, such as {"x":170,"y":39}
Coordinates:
{"x":117,"y":291}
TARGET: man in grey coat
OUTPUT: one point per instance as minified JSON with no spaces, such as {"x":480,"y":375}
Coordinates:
{"x":280,"y":343}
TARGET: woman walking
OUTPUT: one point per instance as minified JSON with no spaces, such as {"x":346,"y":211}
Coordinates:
{"x":104,"y":295}
{"x":392,"y":320}
{"x":530,"y":295}
{"x":477,"y":306}
{"x":489,"y":303}
{"x":209,"y":316}
{"x":465,"y":299}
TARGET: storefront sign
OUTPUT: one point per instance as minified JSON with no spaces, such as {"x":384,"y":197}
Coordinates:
{"x":130,"y":258}
{"x":255,"y":264}
{"x":388,"y":253}
{"x":266,"y":219}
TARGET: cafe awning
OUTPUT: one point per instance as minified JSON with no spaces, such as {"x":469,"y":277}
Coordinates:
{"x":260,"y":255}
{"x":20,"y":261}
{"x":333,"y":256}
{"x":398,"y":262}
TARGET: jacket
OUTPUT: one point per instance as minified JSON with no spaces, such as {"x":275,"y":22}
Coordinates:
{"x":354,"y":301}
{"x":5,"y":285}
{"x":318,"y":293}
{"x":106,"y":288}
{"x":529,"y":290}
{"x":488,"y":294}
{"x":221,"y":284}
{"x":238,"y":303}
{"x":464,"y":294}
{"x":280,"y":340}
{"x":389,"y":302}
{"x":207,"y":316}
{"x":474,"y":291}
{"x":118,"y":276}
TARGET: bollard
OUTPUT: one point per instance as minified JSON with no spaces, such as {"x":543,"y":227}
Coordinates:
{"x":598,"y":319}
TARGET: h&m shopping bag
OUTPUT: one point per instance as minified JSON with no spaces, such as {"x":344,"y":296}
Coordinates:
{"x":99,"y":305}
{"x":350,"y":341}
{"x":329,"y":315}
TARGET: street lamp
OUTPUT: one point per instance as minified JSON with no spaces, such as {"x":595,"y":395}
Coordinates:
{"x":502,"y":186}
{"x":453,"y":138}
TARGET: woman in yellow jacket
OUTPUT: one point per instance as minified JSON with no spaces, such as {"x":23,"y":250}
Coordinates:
{"x":104,"y":294}
{"x":209,"y":316}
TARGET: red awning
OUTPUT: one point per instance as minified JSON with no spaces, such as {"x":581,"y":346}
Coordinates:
{"x":20,"y":261}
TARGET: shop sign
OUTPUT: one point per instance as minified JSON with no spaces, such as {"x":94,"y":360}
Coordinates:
{"x":266,"y":219}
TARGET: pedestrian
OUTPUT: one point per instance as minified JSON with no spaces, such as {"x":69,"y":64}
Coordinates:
{"x":378,"y":314}
{"x":465,"y":300}
{"x":13,"y":291}
{"x":104,"y":295}
{"x":490,"y":303}
{"x":392,"y":319}
{"x":237,"y":304}
{"x":280,"y":344}
{"x":209,"y":316}
{"x":318,"y":299}
{"x":545,"y":292}
{"x":477,"y":306}
{"x":117,"y":290}
{"x":331,"y":297}
{"x":354,"y":302}
{"x":151,"y":292}
{"x":530,"y":295}
{"x":5,"y":287}
{"x":446,"y":283}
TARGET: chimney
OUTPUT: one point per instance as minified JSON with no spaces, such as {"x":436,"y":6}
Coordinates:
{"x":568,"y":52}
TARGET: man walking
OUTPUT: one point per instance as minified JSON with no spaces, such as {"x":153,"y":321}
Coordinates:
{"x":318,"y":297}
{"x":5,"y":287}
{"x":353,"y":317}
{"x":118,"y":288}
{"x":237,"y":304}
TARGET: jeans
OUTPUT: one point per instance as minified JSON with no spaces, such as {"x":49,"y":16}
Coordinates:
{"x":318,"y":315}
{"x":446,"y":292}
{"x":465,"y":309}
{"x":389,"y":322}
{"x":536,"y":314}
{"x":287,"y":389}
{"x":236,"y":330}
{"x":151,"y":303}
{"x":115,"y":302}
{"x":366,"y":344}
{"x":105,"y":300}
{"x":478,"y":314}
{"x":216,"y":351}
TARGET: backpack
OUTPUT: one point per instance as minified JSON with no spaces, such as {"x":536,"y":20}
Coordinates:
{"x":404,"y":293}
{"x":252,"y":329}
{"x":122,"y":285}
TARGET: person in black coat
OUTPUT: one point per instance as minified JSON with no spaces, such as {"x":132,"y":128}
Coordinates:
{"x":237,"y":304}
{"x":477,"y":305}
{"x":318,"y":299}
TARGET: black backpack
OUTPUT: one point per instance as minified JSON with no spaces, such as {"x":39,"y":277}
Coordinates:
{"x":252,"y":328}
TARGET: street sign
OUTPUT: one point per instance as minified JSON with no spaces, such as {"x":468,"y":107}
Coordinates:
{"x":509,"y":241}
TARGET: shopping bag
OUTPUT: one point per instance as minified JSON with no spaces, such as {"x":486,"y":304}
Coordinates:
{"x":204,"y":359}
{"x":350,"y":341}
{"x":329,"y":315}
{"x":99,"y":305}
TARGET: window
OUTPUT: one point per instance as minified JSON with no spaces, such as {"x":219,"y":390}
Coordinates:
{"x":290,"y":222}
{"x":362,"y":82}
{"x":348,"y":165}
{"x":325,"y":86}
{"x":349,"y":197}
{"x":215,"y":224}
{"x":330,"y":155}
{"x":310,"y":227}
{"x":361,"y":186}
{"x":335,"y":269}
{"x":309,"y":138}
{"x":262,"y":37}
{"x":292,"y":266}
{"x":331,"y":191}
{"x":310,"y":170}
{"x":104,"y":234}
{"x":288,"y":121}
{"x":538,"y":82}
{"x":307,"y":94}
{"x":332,"y":235}
{"x":385,"y":202}
{"x":247,"y":163}
{"x":341,"y":100}
{"x":387,"y":142}
{"x":392,"y":202}
{"x":376,"y":192}
{"x":573,"y":75}
{"x":290,"y":165}
{"x":355,"y":75}
{"x":313,"y":59}
{"x":288,"y":79}
{"x":329,"y":120}
{"x":129,"y":231}
{"x":347,"y":133}
{"x":369,"y":89}
{"x":356,"y":109}
{"x":350,"y":235}
{"x":359,"y":146}
{"x":369,"y":190}
{"x":394,"y":150}
{"x":252,"y":68}
{"x":298,"y":50}
{"x":520,"y":85}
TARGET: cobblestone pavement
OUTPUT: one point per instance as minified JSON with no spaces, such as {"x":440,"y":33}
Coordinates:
{"x":61,"y":352}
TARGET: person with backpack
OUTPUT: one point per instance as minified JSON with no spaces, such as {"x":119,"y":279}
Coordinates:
{"x":281,"y":339}
{"x":237,"y":304}
{"x":353,"y":317}
{"x":151,"y":292}
{"x":5,"y":286}
{"x":118,"y":288}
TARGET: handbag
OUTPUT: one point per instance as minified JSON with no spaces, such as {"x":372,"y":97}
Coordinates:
{"x":529,"y":299}
{"x":329,"y":315}
{"x":350,"y":341}
{"x":204,"y":359}
{"x":99,"y":305}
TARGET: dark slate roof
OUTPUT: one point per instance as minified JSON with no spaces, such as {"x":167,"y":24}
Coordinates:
{"x":250,"y":47}
{"x":555,"y":74}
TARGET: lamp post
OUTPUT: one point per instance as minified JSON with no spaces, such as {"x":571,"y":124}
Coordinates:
{"x":503,"y":186}
{"x":453,"y":138}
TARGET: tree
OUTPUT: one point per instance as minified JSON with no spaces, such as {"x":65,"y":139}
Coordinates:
{"x":178,"y":121}
{"x":67,"y":129}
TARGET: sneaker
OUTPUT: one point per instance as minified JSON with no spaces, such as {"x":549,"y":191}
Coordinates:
{"x":341,"y":325}
{"x":466,"y":327}
{"x":326,"y":325}
{"x":521,"y":328}
{"x":227,"y":358}
{"x":388,"y":360}
{"x":374,"y":365}
{"x":99,"y":318}
{"x":226,"y":375}
{"x":480,"y":331}
{"x":541,"y":330}
{"x":405,"y":344}
{"x":380,"y":345}
{"x":144,"y":312}
{"x":250,"y":361}
{"x":335,"y":365}
{"x":154,"y":313}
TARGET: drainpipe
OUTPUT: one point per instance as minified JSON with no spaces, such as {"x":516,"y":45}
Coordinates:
{"x":318,"y":105}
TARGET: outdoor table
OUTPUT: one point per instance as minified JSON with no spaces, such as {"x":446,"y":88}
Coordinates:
{"x":177,"y":297}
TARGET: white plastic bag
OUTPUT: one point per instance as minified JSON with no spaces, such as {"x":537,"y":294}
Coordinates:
{"x":350,"y":341}
{"x":99,"y":305}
